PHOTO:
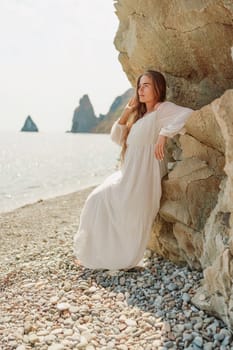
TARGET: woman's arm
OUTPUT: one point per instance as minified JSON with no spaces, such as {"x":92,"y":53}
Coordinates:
{"x":176,"y":116}
{"x":117,"y":132}
{"x":159,"y":147}
{"x":119,"y":128}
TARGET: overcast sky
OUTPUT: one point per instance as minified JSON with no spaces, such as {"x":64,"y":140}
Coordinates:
{"x":51,"y":53}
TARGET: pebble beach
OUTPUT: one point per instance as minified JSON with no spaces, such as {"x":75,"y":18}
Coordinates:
{"x":49,"y":302}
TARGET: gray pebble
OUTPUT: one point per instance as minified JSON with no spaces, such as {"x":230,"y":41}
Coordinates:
{"x":186,"y":297}
{"x":198,"y":341}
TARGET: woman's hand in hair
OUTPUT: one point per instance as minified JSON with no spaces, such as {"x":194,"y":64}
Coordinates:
{"x":132,"y":104}
{"x":159,"y":147}
{"x":129,"y":108}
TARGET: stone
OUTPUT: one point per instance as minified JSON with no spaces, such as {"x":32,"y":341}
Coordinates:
{"x":116,"y":108}
{"x":84,"y":118}
{"x":172,"y":38}
{"x":194,"y":225}
{"x":186,"y":297}
{"x":56,"y":346}
{"x":29,"y":125}
{"x":21,"y":347}
{"x":198,"y":341}
{"x":63,"y":306}
{"x":33,"y":338}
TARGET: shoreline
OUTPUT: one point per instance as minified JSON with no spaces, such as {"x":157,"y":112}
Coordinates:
{"x":50,"y":197}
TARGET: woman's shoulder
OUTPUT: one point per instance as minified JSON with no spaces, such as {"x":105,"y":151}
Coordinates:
{"x":168,"y":104}
{"x":172,"y":106}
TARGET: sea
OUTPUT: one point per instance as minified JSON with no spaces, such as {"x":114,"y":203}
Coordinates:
{"x":43,"y":165}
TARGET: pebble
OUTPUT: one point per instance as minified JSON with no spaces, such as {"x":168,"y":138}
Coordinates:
{"x":49,"y":339}
{"x":33,"y":338}
{"x":198,"y":341}
{"x":131,"y":322}
{"x":63,"y":306}
{"x":21,"y":347}
{"x":54,"y":299}
{"x":56,"y":346}
{"x":186,"y":297}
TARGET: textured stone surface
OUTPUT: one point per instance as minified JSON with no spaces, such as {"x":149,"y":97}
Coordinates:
{"x":189,"y":41}
{"x":197,"y":204}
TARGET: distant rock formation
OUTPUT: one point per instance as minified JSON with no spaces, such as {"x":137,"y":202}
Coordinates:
{"x":29,"y":125}
{"x":106,"y":121}
{"x":84,"y":119}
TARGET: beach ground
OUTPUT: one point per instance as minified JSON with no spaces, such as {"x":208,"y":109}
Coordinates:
{"x":49,"y":302}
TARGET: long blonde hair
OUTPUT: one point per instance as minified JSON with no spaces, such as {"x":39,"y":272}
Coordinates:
{"x":159,"y":84}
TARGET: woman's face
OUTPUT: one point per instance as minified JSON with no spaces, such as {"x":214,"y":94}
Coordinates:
{"x":146,"y":91}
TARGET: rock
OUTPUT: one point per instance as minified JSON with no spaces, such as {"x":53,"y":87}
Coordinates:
{"x":50,"y":338}
{"x":131,"y":322}
{"x":198,"y":341}
{"x":54,"y":299}
{"x":21,"y":347}
{"x":56,"y":346}
{"x":63,"y":306}
{"x":172,"y":39}
{"x":33,"y":338}
{"x":29,"y":125}
{"x":67,"y":286}
{"x":28,"y":327}
{"x":84,"y":118}
{"x":186,"y":297}
{"x":194,"y":219}
{"x":106,"y":122}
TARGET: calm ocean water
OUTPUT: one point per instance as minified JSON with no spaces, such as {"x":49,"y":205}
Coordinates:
{"x":37,"y":166}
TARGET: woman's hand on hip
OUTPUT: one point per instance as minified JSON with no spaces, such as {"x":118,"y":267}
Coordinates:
{"x":159,"y":147}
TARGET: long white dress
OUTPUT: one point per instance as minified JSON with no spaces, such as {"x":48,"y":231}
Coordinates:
{"x":117,"y":218}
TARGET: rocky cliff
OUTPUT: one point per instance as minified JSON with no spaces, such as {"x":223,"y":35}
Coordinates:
{"x":104,"y":126}
{"x":84,"y":119}
{"x":190,"y":42}
{"x":29,"y":125}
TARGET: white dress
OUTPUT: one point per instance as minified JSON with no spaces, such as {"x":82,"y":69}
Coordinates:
{"x":117,"y":218}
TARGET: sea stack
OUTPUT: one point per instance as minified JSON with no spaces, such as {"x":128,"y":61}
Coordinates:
{"x":84,"y":118}
{"x":29,"y":125}
{"x":106,"y":121}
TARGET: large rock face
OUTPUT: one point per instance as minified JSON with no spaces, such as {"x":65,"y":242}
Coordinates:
{"x":84,"y":119}
{"x":29,"y":125}
{"x":190,"y":42}
{"x":195,"y":224}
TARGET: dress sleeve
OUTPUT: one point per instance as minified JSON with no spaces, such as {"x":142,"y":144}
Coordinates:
{"x":117,"y":133}
{"x":176,"y":116}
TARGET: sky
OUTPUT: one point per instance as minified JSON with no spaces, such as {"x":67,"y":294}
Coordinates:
{"x":53,"y":52}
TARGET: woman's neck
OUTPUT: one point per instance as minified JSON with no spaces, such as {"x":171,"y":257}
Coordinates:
{"x":151,"y":106}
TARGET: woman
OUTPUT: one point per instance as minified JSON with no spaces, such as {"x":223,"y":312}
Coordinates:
{"x":117,"y":218}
